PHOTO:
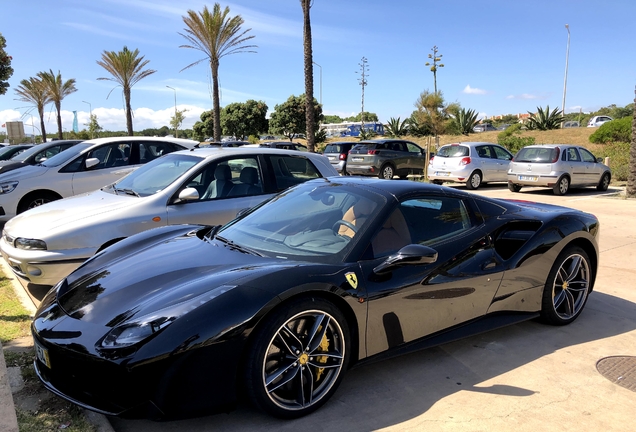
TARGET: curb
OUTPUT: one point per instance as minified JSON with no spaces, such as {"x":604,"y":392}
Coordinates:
{"x":8,"y":420}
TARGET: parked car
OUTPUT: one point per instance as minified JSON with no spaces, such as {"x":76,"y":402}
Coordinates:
{"x":223,"y":143}
{"x":337,"y":153}
{"x":7,"y":152}
{"x":283,"y":145}
{"x":472,"y":163}
{"x":596,"y":121}
{"x":36,"y":154}
{"x":558,"y":166}
{"x":206,"y":186}
{"x":386,"y":158}
{"x":503,"y":126}
{"x":571,"y":124}
{"x":82,"y":168}
{"x":486,"y":127}
{"x":281,"y":302}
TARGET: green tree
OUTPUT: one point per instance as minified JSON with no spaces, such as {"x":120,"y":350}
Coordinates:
{"x":5,"y":66}
{"x":204,"y":128}
{"x":368,"y":117}
{"x":289,"y":119}
{"x":333,"y":119}
{"x":127,"y":69}
{"x":93,"y":126}
{"x":309,"y":76}
{"x":432,"y":112}
{"x":465,"y":121}
{"x":34,"y":91}
{"x":241,"y":120}
{"x":435,"y":58}
{"x":216,"y":35}
{"x":57,"y":89}
{"x":544,"y":119}
{"x":177,"y":120}
{"x":396,"y":128}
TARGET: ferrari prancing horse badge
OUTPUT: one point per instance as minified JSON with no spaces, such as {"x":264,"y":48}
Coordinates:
{"x":352,"y":279}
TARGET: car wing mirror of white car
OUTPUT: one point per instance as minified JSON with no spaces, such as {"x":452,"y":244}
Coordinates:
{"x":413,"y":254}
{"x":91,"y":162}
{"x":188,"y":194}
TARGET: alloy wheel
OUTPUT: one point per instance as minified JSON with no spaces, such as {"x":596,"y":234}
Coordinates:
{"x":571,"y":286}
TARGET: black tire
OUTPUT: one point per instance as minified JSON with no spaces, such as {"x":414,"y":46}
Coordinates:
{"x":604,"y":183}
{"x":474,"y":180}
{"x":285,"y":357}
{"x":567,"y":287}
{"x":514,"y":187}
{"x":387,"y":172}
{"x":404,"y":177}
{"x":35,"y":200}
{"x":562,"y":186}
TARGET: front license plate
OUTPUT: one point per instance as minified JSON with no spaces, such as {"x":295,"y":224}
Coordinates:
{"x":528,"y":178}
{"x":42,"y":354}
{"x":442,"y":173}
{"x":357,"y":159}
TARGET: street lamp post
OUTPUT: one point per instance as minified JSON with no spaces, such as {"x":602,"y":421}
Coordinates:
{"x":565,"y":79}
{"x":320,"y":81}
{"x":176,"y":133}
{"x":90,"y":110}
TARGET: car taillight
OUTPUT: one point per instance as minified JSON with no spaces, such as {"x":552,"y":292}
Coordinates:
{"x":555,"y":157}
{"x":342,"y":156}
{"x":373,"y":152}
{"x":431,"y":159}
{"x":465,"y":161}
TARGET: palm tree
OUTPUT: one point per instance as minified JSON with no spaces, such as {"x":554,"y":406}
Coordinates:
{"x":396,"y":128}
{"x":127,"y":69}
{"x":34,"y":91}
{"x":309,"y":75}
{"x":57,"y":89}
{"x":466,"y":120}
{"x":545,"y":120}
{"x":216,"y":35}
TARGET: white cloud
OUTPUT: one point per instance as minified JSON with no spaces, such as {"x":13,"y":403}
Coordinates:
{"x":470,"y":90}
{"x":525,"y":96}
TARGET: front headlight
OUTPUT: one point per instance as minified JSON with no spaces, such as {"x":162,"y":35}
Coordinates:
{"x":7,"y":187}
{"x":130,"y":333}
{"x":30,"y":244}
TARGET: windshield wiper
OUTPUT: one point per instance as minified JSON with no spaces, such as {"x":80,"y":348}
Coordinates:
{"x":127,"y":191}
{"x":234,"y":246}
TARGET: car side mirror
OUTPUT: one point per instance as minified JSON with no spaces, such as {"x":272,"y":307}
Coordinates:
{"x":413,"y":254}
{"x":188,"y":194}
{"x":599,"y":159}
{"x":91,"y":162}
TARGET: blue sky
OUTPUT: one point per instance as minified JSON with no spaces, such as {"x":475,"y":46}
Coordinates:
{"x":501,"y":56}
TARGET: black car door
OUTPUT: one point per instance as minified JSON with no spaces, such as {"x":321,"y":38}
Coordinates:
{"x":414,"y":301}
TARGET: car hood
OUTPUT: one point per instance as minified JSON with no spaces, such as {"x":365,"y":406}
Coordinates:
{"x":68,"y":214}
{"x":9,"y":165}
{"x":23,"y":173}
{"x":122,"y":286}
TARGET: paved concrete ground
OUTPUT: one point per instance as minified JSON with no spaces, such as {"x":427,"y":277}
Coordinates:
{"x":528,"y":377}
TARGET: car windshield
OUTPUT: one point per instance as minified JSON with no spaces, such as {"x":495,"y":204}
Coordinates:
{"x":311,"y":222}
{"x":66,"y":155}
{"x":26,"y":153}
{"x":8,"y":150}
{"x":452,"y":151}
{"x":536,"y":154}
{"x":155,"y":176}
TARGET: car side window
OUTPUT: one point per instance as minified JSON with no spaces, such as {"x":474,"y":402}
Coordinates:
{"x":500,"y":153}
{"x":412,"y":148}
{"x":110,"y":156}
{"x":483,"y":151}
{"x":229,"y":178}
{"x":152,"y":150}
{"x":289,"y":171}
{"x":573,"y":155}
{"x":587,"y":156}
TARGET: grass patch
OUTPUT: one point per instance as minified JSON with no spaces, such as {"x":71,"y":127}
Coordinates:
{"x":14,"y":318}
{"x":54,"y":414}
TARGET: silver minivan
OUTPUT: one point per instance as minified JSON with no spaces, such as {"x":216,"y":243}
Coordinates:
{"x":558,"y":166}
{"x":472,"y":163}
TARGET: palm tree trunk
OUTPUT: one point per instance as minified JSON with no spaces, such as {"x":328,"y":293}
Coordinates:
{"x":41,"y":113}
{"x":631,"y":178}
{"x":58,"y":108}
{"x":216,"y":114}
{"x":129,"y":123}
{"x":309,"y":77}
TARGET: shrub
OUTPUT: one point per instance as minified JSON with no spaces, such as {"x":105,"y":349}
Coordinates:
{"x":514,"y":143}
{"x":613,"y":131}
{"x":510,"y":130}
{"x":618,"y":152}
{"x":545,"y":120}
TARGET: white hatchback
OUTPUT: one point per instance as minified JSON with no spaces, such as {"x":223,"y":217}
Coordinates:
{"x":82,"y":168}
{"x":201,"y":186}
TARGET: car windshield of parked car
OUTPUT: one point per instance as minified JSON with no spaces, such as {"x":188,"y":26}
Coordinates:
{"x":66,"y":155}
{"x":155,"y":176}
{"x":312,"y":221}
{"x":536,"y":154}
{"x":453,"y":151}
{"x":24,"y":155}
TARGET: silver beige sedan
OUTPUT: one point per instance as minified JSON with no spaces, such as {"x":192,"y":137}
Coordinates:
{"x":202,"y":186}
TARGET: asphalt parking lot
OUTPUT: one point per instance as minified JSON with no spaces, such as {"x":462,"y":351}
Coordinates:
{"x":527,"y":377}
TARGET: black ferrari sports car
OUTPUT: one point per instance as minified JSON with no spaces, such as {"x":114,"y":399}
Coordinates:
{"x":278,"y":304}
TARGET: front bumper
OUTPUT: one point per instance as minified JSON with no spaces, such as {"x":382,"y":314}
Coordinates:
{"x":43,"y":267}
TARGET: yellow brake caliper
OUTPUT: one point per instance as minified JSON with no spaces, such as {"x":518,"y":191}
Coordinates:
{"x":324,"y":347}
